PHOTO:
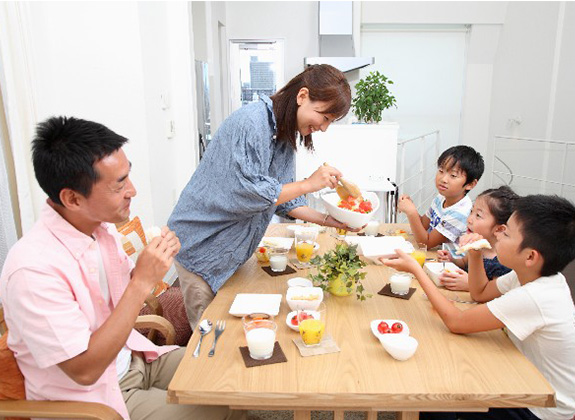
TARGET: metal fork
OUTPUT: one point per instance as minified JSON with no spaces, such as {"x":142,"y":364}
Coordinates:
{"x":220,"y":327}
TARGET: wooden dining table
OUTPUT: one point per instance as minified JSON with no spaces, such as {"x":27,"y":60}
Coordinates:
{"x":448,"y":372}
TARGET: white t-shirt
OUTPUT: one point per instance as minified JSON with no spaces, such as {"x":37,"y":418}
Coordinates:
{"x":540,"y":318}
{"x":124,"y":357}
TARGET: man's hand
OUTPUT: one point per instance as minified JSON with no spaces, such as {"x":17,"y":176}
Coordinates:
{"x":454,"y":281}
{"x":324,"y":176}
{"x":403,"y":262}
{"x":156,"y":259}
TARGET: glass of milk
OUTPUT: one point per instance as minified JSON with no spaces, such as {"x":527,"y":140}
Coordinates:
{"x":261,"y":337}
{"x":278,"y":259}
{"x":372,"y":228}
{"x":400,"y":283}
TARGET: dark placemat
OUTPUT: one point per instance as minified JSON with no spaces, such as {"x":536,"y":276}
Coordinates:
{"x":386,"y":291}
{"x":277,"y":357}
{"x":379,"y":235}
{"x":288,"y":270}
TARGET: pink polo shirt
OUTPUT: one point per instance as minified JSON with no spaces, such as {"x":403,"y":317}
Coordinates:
{"x":52,"y":304}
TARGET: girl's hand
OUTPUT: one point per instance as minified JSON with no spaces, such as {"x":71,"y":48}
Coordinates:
{"x":324,"y":176}
{"x":454,"y":281}
{"x":444,"y":256}
{"x":468,"y":238}
{"x":403,"y":262}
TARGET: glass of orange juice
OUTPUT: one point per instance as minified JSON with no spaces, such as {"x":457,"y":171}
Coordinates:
{"x":420,"y":253}
{"x":304,"y":244}
{"x":311,"y":324}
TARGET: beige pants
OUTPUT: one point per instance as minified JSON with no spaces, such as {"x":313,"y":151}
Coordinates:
{"x":197,"y":294}
{"x":144,"y":390}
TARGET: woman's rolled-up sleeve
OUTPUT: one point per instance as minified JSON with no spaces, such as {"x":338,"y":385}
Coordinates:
{"x":257,"y":191}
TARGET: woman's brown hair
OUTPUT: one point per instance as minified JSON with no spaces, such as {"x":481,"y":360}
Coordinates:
{"x":325,"y":83}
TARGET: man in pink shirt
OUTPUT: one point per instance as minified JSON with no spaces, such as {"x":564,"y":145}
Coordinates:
{"x":71,"y":295}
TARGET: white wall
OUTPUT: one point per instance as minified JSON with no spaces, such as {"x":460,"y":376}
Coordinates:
{"x":108,"y":62}
{"x":534,"y":81}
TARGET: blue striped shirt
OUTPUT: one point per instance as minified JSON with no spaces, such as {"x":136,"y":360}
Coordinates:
{"x":451,"y":222}
{"x":224,"y":211}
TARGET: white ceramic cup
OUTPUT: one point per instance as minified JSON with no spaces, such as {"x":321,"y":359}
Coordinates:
{"x":400,"y":283}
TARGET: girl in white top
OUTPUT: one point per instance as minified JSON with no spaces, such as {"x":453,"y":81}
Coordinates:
{"x":532,"y":302}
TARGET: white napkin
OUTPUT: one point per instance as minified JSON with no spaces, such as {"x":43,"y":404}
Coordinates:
{"x":375,"y":248}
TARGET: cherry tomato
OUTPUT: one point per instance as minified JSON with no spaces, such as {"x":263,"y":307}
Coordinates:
{"x":294,"y":320}
{"x":397,"y":327}
{"x":383,"y":328}
{"x":262,"y":250}
{"x":303,"y":317}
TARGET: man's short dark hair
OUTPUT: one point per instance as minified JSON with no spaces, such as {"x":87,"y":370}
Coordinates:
{"x":64,"y":152}
{"x":466,"y":158}
{"x":547,"y":223}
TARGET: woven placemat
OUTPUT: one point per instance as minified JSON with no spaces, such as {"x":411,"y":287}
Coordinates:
{"x":278,"y":356}
{"x":379,"y":235}
{"x":326,"y":346}
{"x":386,"y":291}
{"x":288,"y":270}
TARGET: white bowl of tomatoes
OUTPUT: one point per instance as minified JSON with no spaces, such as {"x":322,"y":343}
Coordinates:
{"x":393,"y":334}
{"x":292,"y":321}
{"x":352,"y":212}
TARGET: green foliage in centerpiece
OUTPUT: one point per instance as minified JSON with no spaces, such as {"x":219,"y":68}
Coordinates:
{"x":342,"y":262}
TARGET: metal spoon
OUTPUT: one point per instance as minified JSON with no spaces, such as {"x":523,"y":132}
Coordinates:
{"x":204,"y":327}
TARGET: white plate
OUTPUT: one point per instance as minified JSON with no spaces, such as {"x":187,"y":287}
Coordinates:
{"x":294,"y":313}
{"x":251,"y":303}
{"x":299,"y":282}
{"x":390,"y":322}
{"x":276,"y":242}
{"x":375,"y":248}
{"x":434,"y":269}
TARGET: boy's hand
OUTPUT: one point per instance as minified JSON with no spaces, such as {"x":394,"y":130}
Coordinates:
{"x":406,"y":205}
{"x":403,"y":262}
{"x":454,"y":281}
{"x":444,"y":255}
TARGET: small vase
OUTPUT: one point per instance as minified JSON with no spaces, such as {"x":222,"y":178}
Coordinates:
{"x":337,"y":287}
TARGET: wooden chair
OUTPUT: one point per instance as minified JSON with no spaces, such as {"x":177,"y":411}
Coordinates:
{"x":74,"y":409}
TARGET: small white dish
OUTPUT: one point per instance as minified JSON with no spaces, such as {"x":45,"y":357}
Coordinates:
{"x":299,"y":282}
{"x":291,"y":315}
{"x":434,"y":270}
{"x":400,"y":347}
{"x":304,"y":298}
{"x":374,"y":324}
{"x":276,"y":242}
{"x":251,"y":303}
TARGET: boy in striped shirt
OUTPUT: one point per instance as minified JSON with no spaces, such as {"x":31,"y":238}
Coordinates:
{"x":459,"y":168}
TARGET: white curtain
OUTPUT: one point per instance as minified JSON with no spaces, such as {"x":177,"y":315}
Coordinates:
{"x":7,"y":225}
{"x":16,"y":79}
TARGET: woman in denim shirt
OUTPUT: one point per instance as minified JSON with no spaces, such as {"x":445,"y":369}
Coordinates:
{"x":247,"y":175}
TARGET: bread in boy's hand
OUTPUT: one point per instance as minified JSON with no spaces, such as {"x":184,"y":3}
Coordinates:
{"x":480,"y":244}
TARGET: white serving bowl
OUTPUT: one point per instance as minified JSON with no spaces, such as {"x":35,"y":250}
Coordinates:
{"x":304,"y":304}
{"x":351,"y":218}
{"x":399,"y":346}
{"x":434,"y":269}
{"x":299,"y":282}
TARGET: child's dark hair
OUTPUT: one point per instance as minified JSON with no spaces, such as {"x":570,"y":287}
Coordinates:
{"x":466,"y":158}
{"x":547,"y":223}
{"x":500,"y":202}
{"x":64,"y":152}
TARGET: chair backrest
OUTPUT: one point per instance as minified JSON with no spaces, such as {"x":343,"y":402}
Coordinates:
{"x":569,"y":273}
{"x":3,"y":327}
{"x":11,"y":379}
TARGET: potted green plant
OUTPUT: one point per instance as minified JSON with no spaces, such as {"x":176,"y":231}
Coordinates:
{"x":372,"y":97}
{"x":339,"y":271}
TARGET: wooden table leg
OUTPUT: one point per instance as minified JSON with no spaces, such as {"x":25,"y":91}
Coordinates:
{"x":302,"y":415}
{"x":407,"y":415}
{"x":371,"y":415}
{"x":338,"y":415}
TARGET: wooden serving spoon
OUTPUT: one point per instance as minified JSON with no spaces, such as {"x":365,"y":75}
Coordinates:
{"x":346,"y":188}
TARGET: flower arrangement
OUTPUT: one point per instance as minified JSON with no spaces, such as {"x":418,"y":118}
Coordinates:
{"x":339,"y":270}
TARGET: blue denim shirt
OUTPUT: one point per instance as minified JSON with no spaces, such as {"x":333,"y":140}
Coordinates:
{"x":223,"y":212}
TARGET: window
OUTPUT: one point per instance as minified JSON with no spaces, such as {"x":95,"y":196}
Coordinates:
{"x":256,"y":68}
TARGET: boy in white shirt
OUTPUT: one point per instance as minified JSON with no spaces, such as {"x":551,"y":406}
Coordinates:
{"x":459,"y":168}
{"x":532,"y":302}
